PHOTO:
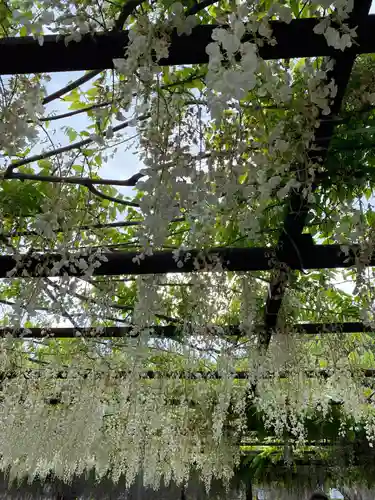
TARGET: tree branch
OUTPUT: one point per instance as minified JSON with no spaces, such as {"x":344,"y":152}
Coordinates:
{"x":112,"y":305}
{"x":98,"y":193}
{"x":72,"y":113}
{"x":65,"y":149}
{"x":14,"y":304}
{"x":54,"y":299}
{"x":200,"y":6}
{"x":41,"y":308}
{"x":109,"y":225}
{"x":71,"y":86}
{"x":127,"y":10}
{"x":83,"y":181}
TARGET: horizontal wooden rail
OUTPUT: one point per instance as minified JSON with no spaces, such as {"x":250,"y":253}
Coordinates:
{"x":297,"y":256}
{"x":160,"y":374}
{"x":174,"y":332}
{"x":297,"y":39}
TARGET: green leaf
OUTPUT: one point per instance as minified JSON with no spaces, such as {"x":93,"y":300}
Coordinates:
{"x":73,"y":96}
{"x":77,"y":105}
{"x":45,"y":164}
{"x":72,"y":134}
{"x":88,"y":152}
{"x":93,"y":92}
{"x":98,"y":160}
{"x":294,"y":5}
{"x":78,"y":168}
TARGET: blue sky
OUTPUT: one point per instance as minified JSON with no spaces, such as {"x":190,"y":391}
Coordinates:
{"x":125,"y":162}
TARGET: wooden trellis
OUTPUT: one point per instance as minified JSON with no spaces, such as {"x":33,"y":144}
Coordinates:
{"x":297,"y":39}
{"x":175,"y":331}
{"x":294,"y":251}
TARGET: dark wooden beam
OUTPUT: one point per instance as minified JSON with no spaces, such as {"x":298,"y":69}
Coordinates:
{"x":323,"y":328}
{"x":231,"y":259}
{"x":177,"y":374}
{"x":298,"y":207}
{"x":173,"y":331}
{"x":168,"y":331}
{"x":297,"y":39}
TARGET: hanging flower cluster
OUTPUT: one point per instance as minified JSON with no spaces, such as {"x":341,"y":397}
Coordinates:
{"x":221,"y":158}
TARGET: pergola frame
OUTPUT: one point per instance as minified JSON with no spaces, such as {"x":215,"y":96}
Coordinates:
{"x":294,"y":40}
{"x":294,"y":251}
{"x":174,"y":332}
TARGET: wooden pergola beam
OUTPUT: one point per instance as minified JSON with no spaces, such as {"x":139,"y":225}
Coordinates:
{"x":304,"y":256}
{"x":173,"y":331}
{"x":298,"y":203}
{"x":176,"y":374}
{"x":21,"y":55}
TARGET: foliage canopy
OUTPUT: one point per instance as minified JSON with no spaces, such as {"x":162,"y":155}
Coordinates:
{"x":223,"y":147}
